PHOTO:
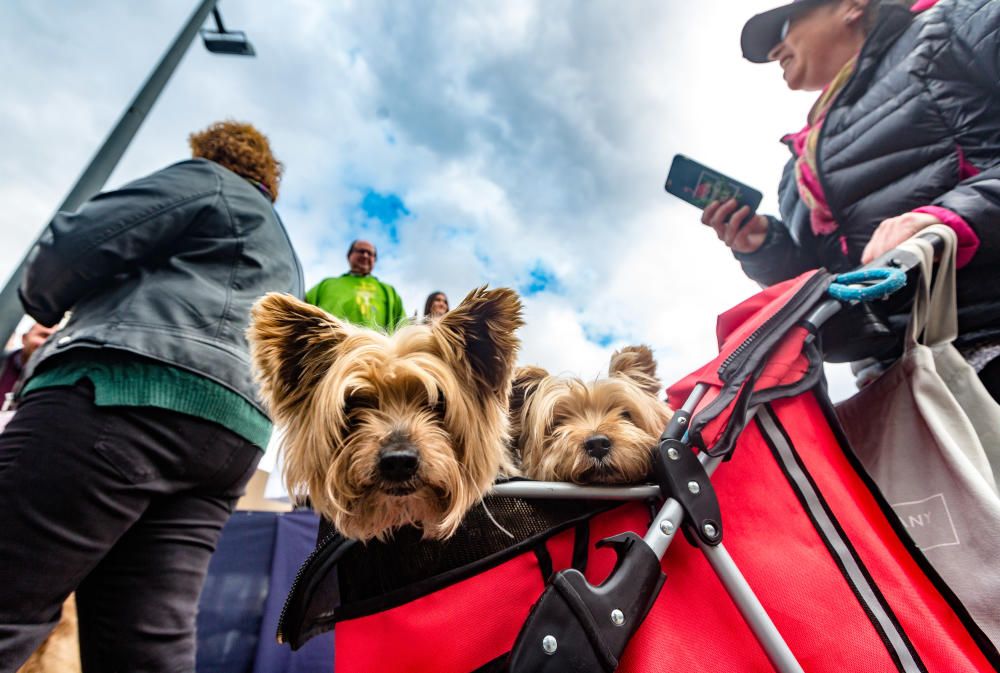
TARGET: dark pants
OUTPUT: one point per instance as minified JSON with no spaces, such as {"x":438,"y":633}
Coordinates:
{"x":123,"y":505}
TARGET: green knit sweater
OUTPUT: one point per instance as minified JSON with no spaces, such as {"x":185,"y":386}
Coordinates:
{"x":121,"y":379}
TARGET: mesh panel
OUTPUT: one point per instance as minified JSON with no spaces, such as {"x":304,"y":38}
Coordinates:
{"x":377,"y":568}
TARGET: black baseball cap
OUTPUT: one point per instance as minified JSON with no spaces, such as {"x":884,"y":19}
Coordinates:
{"x":763,"y":31}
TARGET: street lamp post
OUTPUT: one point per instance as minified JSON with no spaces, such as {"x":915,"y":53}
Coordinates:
{"x":96,"y":173}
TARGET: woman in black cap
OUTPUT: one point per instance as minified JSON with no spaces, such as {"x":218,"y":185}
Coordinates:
{"x":905,"y":134}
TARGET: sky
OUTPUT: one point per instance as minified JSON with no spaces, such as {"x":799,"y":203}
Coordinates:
{"x":521,"y":143}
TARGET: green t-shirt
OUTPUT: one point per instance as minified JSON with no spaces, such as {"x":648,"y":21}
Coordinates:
{"x":362,"y":300}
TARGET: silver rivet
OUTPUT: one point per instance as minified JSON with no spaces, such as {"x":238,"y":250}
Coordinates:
{"x":549,"y":644}
{"x":682,"y":420}
{"x":64,"y":340}
{"x":672,"y":454}
{"x":694,"y":487}
{"x":710,"y":530}
{"x":666,"y":527}
{"x":617,"y":617}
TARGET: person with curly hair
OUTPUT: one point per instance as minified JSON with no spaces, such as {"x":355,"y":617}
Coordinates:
{"x":138,"y":422}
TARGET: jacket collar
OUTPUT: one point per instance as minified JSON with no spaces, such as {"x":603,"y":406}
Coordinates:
{"x":891,"y":23}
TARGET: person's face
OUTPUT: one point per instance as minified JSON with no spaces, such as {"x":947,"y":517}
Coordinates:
{"x":362,"y":258}
{"x":34,"y":338}
{"x":439,"y":306}
{"x":819,"y":42}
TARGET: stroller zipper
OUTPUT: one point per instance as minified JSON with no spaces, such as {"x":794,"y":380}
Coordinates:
{"x":304,"y":569}
{"x":802,"y":296}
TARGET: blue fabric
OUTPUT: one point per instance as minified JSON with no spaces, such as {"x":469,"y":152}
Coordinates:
{"x":232,"y":602}
{"x":295,"y":540}
{"x":889,"y":281}
{"x":249,"y":576}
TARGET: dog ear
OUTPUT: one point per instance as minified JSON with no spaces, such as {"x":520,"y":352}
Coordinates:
{"x":291,"y":345}
{"x":638,"y":364}
{"x":525,"y":380}
{"x":480,"y":332}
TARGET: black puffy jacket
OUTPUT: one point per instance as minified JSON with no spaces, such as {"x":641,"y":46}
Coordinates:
{"x":926,"y":91}
{"x":166,"y":267}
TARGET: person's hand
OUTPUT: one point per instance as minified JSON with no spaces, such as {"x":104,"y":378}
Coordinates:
{"x":727,"y":222}
{"x":894,"y":231}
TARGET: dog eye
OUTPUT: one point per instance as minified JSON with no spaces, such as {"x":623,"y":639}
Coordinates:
{"x":360,"y":401}
{"x":440,"y":407}
{"x":626,"y":416}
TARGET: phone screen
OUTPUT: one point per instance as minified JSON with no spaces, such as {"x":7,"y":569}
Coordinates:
{"x":699,"y":185}
{"x":712,"y":187}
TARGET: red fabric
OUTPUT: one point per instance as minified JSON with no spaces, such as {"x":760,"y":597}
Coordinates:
{"x":732,"y":328}
{"x":694,"y":626}
{"x":467,"y":625}
{"x":968,"y":241}
{"x":966,"y":170}
{"x":454,"y":630}
{"x":935,"y":630}
{"x":787,"y":365}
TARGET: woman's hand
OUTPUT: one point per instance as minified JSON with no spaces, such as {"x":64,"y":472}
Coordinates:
{"x":894,"y":231}
{"x":727,"y":222}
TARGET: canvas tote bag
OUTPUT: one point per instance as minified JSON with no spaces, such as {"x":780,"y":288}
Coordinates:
{"x":926,"y":431}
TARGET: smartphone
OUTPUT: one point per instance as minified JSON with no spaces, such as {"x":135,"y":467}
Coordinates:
{"x":700,"y":185}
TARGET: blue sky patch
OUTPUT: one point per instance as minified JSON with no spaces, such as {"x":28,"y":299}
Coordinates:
{"x":382,"y":213}
{"x":386,"y":208}
{"x":601,"y":336}
{"x":540,"y":279}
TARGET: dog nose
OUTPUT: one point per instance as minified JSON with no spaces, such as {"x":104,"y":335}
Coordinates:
{"x":597,"y":446}
{"x":398,"y":464}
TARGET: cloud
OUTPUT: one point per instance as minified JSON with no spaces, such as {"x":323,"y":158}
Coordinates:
{"x":520,"y":143}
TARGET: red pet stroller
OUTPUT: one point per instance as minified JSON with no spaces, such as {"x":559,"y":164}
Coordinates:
{"x":816,"y":573}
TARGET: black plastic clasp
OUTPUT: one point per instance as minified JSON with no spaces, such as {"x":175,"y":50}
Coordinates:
{"x":677,"y":426}
{"x":682,"y":477}
{"x":578,"y":627}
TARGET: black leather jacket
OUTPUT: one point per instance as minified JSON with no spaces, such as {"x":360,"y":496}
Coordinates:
{"x":925,"y":92}
{"x":166,"y":267}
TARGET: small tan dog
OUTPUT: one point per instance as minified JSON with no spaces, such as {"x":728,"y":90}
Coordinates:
{"x":601,"y":432}
{"x":382,"y":430}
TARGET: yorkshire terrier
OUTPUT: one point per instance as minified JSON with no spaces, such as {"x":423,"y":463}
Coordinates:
{"x":601,"y":432}
{"x":383,"y":431}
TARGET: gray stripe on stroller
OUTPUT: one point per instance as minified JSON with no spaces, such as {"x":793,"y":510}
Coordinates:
{"x":837,"y":543}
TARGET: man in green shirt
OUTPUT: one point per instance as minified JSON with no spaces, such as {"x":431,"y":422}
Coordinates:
{"x":358,"y":296}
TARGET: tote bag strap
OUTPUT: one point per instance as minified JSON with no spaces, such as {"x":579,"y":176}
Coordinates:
{"x":934,"y":319}
{"x":942,"y":318}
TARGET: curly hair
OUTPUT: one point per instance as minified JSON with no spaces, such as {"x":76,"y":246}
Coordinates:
{"x":242,"y":149}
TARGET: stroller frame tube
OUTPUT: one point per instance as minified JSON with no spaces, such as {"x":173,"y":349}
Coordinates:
{"x":753,"y":613}
{"x":661,"y":533}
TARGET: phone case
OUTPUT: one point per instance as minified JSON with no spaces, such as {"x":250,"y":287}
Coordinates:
{"x":699,"y":185}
